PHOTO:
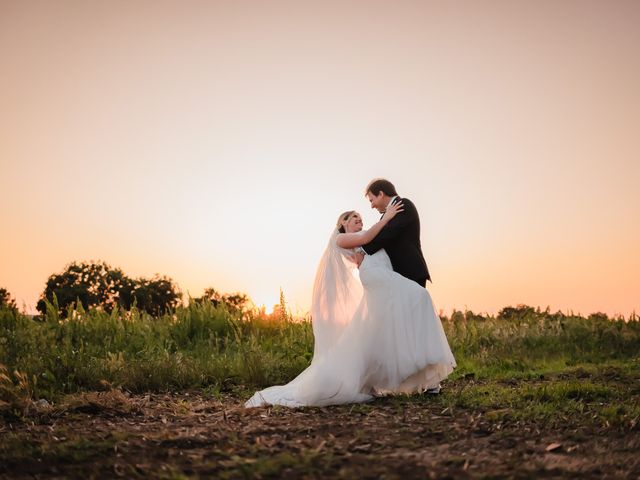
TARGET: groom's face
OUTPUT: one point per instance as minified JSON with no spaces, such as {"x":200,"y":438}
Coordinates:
{"x":379,"y":202}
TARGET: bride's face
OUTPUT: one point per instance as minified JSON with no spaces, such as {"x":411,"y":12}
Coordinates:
{"x":353,"y":223}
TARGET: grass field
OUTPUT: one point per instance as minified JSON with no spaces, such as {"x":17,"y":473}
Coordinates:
{"x":126,"y":394}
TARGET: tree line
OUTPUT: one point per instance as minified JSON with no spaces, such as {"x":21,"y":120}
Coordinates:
{"x":98,"y":285}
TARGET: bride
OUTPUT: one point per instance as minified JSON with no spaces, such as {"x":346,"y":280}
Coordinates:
{"x":376,"y":332}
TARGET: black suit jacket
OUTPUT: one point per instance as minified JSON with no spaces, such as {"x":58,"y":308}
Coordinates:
{"x":401,"y":240}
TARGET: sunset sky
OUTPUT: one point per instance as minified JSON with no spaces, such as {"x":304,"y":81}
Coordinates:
{"x":217,"y":142}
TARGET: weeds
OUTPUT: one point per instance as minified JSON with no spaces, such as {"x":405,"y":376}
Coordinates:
{"x":211,"y":347}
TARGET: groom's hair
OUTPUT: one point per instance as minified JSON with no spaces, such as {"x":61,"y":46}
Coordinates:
{"x":381,"y":185}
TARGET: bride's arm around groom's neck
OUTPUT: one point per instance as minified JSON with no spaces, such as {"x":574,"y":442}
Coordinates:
{"x":357,"y":239}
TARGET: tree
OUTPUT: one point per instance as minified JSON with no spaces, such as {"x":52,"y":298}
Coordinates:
{"x":236,"y":302}
{"x":6,"y":301}
{"x":94,"y":284}
{"x":98,"y":285}
{"x":155,"y":296}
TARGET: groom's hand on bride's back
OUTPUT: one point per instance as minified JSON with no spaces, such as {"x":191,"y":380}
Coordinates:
{"x":355,"y":257}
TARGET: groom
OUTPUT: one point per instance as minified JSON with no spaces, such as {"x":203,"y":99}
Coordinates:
{"x":401,"y":236}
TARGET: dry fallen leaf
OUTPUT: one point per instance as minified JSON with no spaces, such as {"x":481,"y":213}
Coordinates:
{"x":319,"y":447}
{"x":552,"y":447}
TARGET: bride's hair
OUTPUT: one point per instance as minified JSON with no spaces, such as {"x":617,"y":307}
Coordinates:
{"x":343,"y":218}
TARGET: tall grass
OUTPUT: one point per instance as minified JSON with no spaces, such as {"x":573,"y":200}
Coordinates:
{"x":200,"y":345}
{"x":203,"y":345}
{"x":537,"y":342}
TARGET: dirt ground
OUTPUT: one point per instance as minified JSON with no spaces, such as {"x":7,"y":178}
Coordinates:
{"x":115,"y":434}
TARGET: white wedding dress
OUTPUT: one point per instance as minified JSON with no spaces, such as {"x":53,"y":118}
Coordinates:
{"x":378,"y":337}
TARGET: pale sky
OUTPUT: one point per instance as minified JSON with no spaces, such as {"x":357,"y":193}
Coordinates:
{"x":217,"y":142}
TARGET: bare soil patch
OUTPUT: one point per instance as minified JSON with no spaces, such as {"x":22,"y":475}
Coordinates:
{"x":115,"y":434}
